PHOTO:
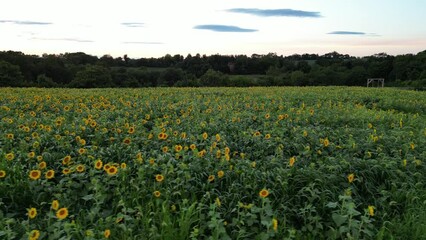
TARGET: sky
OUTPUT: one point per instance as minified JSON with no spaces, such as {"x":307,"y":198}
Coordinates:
{"x":142,"y":28}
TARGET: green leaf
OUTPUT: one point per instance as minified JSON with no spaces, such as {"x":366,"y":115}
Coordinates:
{"x":332,"y":204}
{"x":88,"y":197}
{"x":339,"y":219}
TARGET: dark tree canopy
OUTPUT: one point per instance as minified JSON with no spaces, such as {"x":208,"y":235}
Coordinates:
{"x":86,"y":71}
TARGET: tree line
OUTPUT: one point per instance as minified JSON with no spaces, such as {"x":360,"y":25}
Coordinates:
{"x":81,"y":70}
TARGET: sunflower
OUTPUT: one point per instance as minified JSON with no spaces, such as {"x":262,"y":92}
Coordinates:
{"x":10,"y":156}
{"x":351,"y":177}
{"x":55,"y":205}
{"x":205,"y":135}
{"x":81,"y":151}
{"x":211,"y":178}
{"x":9,"y":136}
{"x":2,"y":174}
{"x":165,"y":149}
{"x":268,"y":136}
{"x":131,"y":130}
{"x":32,"y":213}
{"x":98,"y":164}
{"x":107,"y":233}
{"x":127,"y":141}
{"x":157,"y":194}
{"x":31,"y":154}
{"x":217,"y":137}
{"x":326,"y":142}
{"x":66,"y":160}
{"x":151,"y":161}
{"x":62,"y":213}
{"x":112,"y":170}
{"x":218,"y":154}
{"x":66,"y":171}
{"x":371,"y":210}
{"x":80,"y":168}
{"x":34,"y":235}
{"x":192,"y":146}
{"x":275,"y":224}
{"x":164,"y":136}
{"x":220,"y":174}
{"x":50,"y":174}
{"x":202,"y":153}
{"x":35,"y":174}
{"x":256,"y":134}
{"x":292,"y":161}
{"x":227,"y":150}
{"x":178,"y":148}
{"x":159,"y":178}
{"x":42,"y":165}
{"x":123,"y":165}
{"x":217,"y":201}
{"x":263,"y":193}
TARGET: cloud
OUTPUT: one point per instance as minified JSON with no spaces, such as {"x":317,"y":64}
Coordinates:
{"x":275,"y":12}
{"x":224,"y":28}
{"x":133,"y":24}
{"x":149,"y":43}
{"x":64,"y":39}
{"x":347,"y":33}
{"x":25,"y":22}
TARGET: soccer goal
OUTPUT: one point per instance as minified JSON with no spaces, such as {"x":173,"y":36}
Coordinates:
{"x":375,"y":82}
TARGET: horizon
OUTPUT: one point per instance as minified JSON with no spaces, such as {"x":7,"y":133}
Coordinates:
{"x":208,"y":55}
{"x":142,"y":29}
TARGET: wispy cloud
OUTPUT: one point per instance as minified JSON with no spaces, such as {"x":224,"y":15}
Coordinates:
{"x":63,"y":39}
{"x":347,"y":33}
{"x":133,"y":24}
{"x":275,"y":12}
{"x":224,"y":28}
{"x":25,"y":22}
{"x":149,"y":43}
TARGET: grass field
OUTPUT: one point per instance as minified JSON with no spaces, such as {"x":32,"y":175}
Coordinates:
{"x":212,"y":163}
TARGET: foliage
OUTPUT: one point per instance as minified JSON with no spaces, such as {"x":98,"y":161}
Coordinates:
{"x":10,"y":75}
{"x":212,"y":163}
{"x":66,"y":70}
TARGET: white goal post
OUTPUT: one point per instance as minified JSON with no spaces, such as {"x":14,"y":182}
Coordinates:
{"x":371,"y":82}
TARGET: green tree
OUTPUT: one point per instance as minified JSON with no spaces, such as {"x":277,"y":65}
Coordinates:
{"x":93,"y":76}
{"x":213,"y":78}
{"x":10,"y":75}
{"x":171,"y":76}
{"x":45,"y":81}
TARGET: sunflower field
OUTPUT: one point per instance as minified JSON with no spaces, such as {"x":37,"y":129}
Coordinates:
{"x":212,"y":163}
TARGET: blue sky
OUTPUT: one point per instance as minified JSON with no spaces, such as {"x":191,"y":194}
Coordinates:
{"x":141,"y":28}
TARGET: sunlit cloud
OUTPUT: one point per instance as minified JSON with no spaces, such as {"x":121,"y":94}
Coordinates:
{"x":275,"y":12}
{"x":133,"y":24}
{"x":224,"y":28}
{"x":24,"y":22}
